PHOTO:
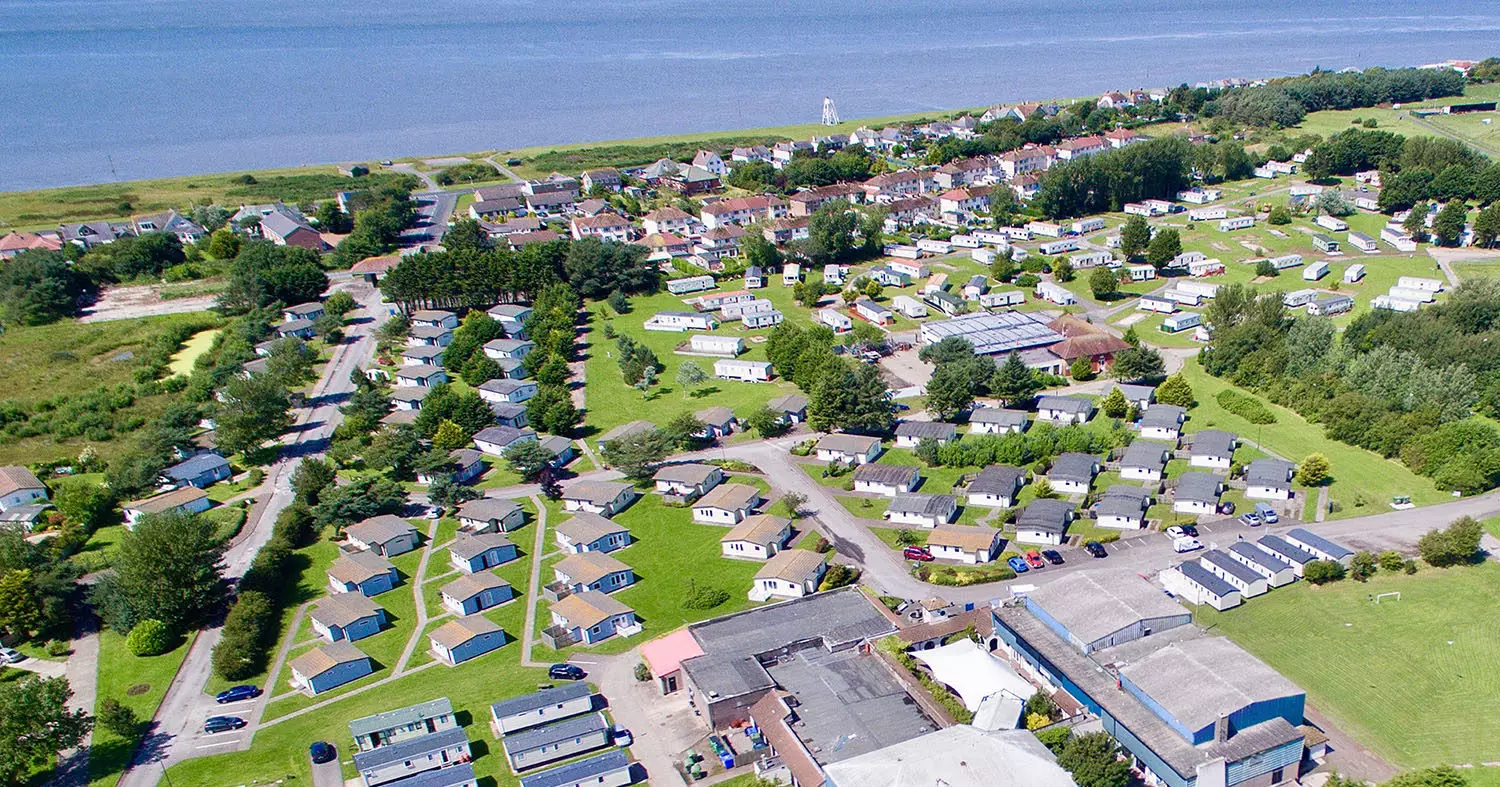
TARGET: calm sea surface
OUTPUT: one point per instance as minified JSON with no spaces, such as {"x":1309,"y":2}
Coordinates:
{"x":95,"y":90}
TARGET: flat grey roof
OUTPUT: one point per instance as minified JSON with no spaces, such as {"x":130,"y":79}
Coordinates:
{"x":1094,"y":604}
{"x":527,"y":703}
{"x":556,"y":732}
{"x":1200,"y":678}
{"x":993,"y":332}
{"x":451,"y":776}
{"x":848,"y":703}
{"x":410,"y":749}
{"x":1305,"y":536}
{"x":400,"y":716}
{"x":1230,"y":566}
{"x":1286,"y":550}
{"x":582,"y":770}
{"x":1211,"y":583}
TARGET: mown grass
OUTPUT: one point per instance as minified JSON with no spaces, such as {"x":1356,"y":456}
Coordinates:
{"x":138,"y":683}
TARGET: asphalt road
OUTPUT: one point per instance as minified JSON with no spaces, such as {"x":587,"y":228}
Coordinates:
{"x":434,"y":209}
{"x":177,"y":730}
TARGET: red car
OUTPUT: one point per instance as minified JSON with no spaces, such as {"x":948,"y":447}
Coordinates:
{"x":916,"y":553}
{"x":1034,"y":559}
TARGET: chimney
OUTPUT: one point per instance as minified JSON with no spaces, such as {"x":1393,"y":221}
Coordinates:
{"x":1221,"y":729}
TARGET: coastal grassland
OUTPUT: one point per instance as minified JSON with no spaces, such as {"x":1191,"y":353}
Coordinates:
{"x":139,"y":683}
{"x":1468,"y":128}
{"x":1412,"y":679}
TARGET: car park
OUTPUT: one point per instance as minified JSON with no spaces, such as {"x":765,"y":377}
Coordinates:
{"x":1186,"y":544}
{"x":1266,"y":513}
{"x":1017,"y":565}
{"x":1053,"y":556}
{"x":565,"y":672}
{"x":1250,"y":519}
{"x":1034,"y":559}
{"x":1175,"y":532}
{"x":321,"y":752}
{"x":1190,"y":530}
{"x":1096,"y":549}
{"x":222,"y":724}
{"x":237,"y":694}
{"x":916,"y":553}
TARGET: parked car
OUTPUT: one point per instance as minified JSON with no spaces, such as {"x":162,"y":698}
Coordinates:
{"x":1175,"y":532}
{"x":11,"y":655}
{"x":436,"y":512}
{"x":1227,"y":507}
{"x":1034,"y":559}
{"x":1190,"y":530}
{"x":1250,"y":519}
{"x":1266,"y":513}
{"x":1053,"y":556}
{"x":622,"y":736}
{"x":1186,"y":544}
{"x":1017,"y":565}
{"x":565,"y":672}
{"x":236,"y":694}
{"x":222,"y":724}
{"x":916,"y":553}
{"x":1096,"y":549}
{"x":322,"y":752}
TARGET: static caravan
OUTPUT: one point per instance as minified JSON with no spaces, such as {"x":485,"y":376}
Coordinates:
{"x":1153,"y":303}
{"x":1354,"y":273}
{"x":1329,"y":305}
{"x":1315,"y":271}
{"x":1297,"y":298}
{"x":1236,"y":223}
{"x":983,"y":256}
{"x":1183,"y":297}
{"x":1200,"y":288}
{"x":1045,"y":229}
{"x":1181,"y":322}
{"x":1138,"y":209}
{"x":1286,"y":261}
{"x":999,"y":298}
{"x":1059,"y":246}
{"x":1394,"y":304}
{"x":902,"y":251}
{"x":1208,"y":267}
{"x":909,"y":306}
{"x":1017,"y":233}
{"x":744,"y":371}
{"x":1091,"y":259}
{"x":762,"y":319}
{"x":935,"y":246}
{"x":836,"y":320}
{"x":1055,"y":293}
{"x":1325,"y":244}
{"x":1363,"y":242}
{"x":716,"y":345}
{"x":964,"y":242}
{"x":1141,"y":272}
{"x":1184,"y":259}
{"x":1419,"y":283}
{"x":691,"y":284}
{"x":1398,"y":239}
{"x":992,"y":237}
{"x":1208,"y":214}
{"x":1332,"y":223}
{"x":1085,"y":226}
{"x":1411,"y":294}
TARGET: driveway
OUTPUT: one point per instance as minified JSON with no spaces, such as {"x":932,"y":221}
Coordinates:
{"x":328,"y":774}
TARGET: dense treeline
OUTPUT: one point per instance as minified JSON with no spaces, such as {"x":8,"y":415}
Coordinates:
{"x":380,"y":214}
{"x":1403,"y":385}
{"x":807,"y":168}
{"x":1156,"y":168}
{"x":1284,"y":102}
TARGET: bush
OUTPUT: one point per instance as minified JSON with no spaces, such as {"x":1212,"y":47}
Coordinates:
{"x":703,"y":596}
{"x":822,"y":546}
{"x":58,"y":648}
{"x":248,"y":629}
{"x":149,"y":638}
{"x":1320,"y":572}
{"x":1391,"y":561}
{"x":642,"y":671}
{"x":1458,"y":543}
{"x":118,"y":719}
{"x":1363,"y":566}
{"x":839,"y":575}
{"x":1245,"y":406}
{"x":1280,"y":215}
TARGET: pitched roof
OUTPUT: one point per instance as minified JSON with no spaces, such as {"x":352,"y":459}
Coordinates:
{"x":1065,"y":404}
{"x":926,"y":429}
{"x":358,"y":567}
{"x":715,"y":416}
{"x":967,"y":538}
{"x":1046,"y":515}
{"x":997,"y":480}
{"x":1162,"y":416}
{"x":166,"y":501}
{"x":467,"y":546}
{"x":998,"y":416}
{"x":1073,"y":466}
{"x":690,"y":473}
{"x":586,"y":528}
{"x":758,"y":529}
{"x":1213,"y":442}
{"x":923,"y":504}
{"x":324,"y":658}
{"x":627,"y":429}
{"x":847,"y":443}
{"x":595,"y":492}
{"x":1266,"y":471}
{"x":793,"y":565}
{"x":593,"y":769}
{"x":343,"y":609}
{"x":1145,"y":453}
{"x":1260,"y":556}
{"x":1199,"y":487}
{"x":730,"y":497}
{"x":471,"y":585}
{"x":1305,"y":536}
{"x":487,"y":508}
{"x":380,"y":529}
{"x":555,"y":733}
{"x":590,"y":608}
{"x":589,"y":567}
{"x":887,"y":475}
{"x":14,"y":478}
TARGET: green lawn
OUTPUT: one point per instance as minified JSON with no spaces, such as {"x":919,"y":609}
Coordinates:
{"x":138,"y":683}
{"x":1413,"y":679}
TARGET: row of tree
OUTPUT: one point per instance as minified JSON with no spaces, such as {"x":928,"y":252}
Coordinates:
{"x":1155,"y":169}
{"x":1284,"y":102}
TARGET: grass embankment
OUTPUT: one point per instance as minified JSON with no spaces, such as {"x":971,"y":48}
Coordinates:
{"x":137,"y":682}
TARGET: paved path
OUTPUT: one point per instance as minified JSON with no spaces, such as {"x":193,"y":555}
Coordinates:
{"x":534,"y":586}
{"x":416,"y":592}
{"x":82,"y":671}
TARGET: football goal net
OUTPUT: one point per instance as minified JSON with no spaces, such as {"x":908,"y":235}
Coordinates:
{"x":1394,"y":595}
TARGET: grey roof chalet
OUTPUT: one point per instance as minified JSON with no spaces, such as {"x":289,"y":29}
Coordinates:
{"x":580,"y":772}
{"x":1094,"y":604}
{"x":1229,"y":565}
{"x":281,"y":224}
{"x":293,"y":326}
{"x":1046,"y":515}
{"x":417,"y":371}
{"x":595,"y":492}
{"x":1137,"y":393}
{"x":720,"y":417}
{"x":505,"y":387}
{"x":1213,"y":442}
{"x":886,"y":475}
{"x":686,"y":473}
{"x":923,"y":430}
{"x":343,"y":609}
{"x":502,"y":435}
{"x":1319,"y":543}
{"x":1266,"y":471}
{"x":195,"y":465}
{"x":1259,"y":556}
{"x":422,"y":352}
{"x":1123,"y":500}
{"x":506,"y":345}
{"x":1192,"y":570}
{"x":1199,"y":487}
{"x":487,"y":508}
{"x":401,"y":716}
{"x":467,"y":546}
{"x":555,"y":733}
{"x":923,"y":504}
{"x":1145,"y":453}
{"x":428,"y":332}
{"x":1073,"y":405}
{"x":528,"y":703}
{"x":1163,"y":416}
{"x":304,"y":309}
{"x":586,"y":528}
{"x":505,"y":410}
{"x":997,"y":416}
{"x":626,"y":430}
{"x":380,"y":529}
{"x":1286,"y":550}
{"x":409,"y":393}
{"x":410,"y":749}
{"x":998,"y":480}
{"x":846,"y":443}
{"x":1074,"y":467}
{"x":790,"y":403}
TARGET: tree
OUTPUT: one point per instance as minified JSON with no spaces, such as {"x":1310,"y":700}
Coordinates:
{"x":1267,"y":269}
{"x":1448,"y":226}
{"x":149,"y":637}
{"x":446,"y":492}
{"x":838,"y":575}
{"x":1134,"y":237}
{"x":468,"y":341}
{"x":312,"y":476}
{"x":1175,"y":390}
{"x":597,"y":268}
{"x":873,"y":288}
{"x":480,"y":369}
{"x":552,"y":410}
{"x":1137,"y":363}
{"x":1013,"y":382}
{"x":830,"y":232}
{"x":36,"y":725}
{"x":1279,"y":216}
{"x":38,"y":287}
{"x":119,"y":719}
{"x":1082,"y":368}
{"x":250,"y":411}
{"x":1362,"y":566}
{"x":1063,"y":272}
{"x":1115,"y":405}
{"x":360,"y":499}
{"x":1103,"y":283}
{"x":1093,"y":760}
{"x":1041,"y":704}
{"x":20,"y":606}
{"x":765,"y":422}
{"x":1487,"y":225}
{"x":1314,"y":470}
{"x":394,"y":450}
{"x":1458,"y":543}
{"x":636,"y":454}
{"x":907,"y":537}
{"x":449,"y":436}
{"x":690,"y":375}
{"x":527,"y":459}
{"x":792,"y":503}
{"x":949,"y":392}
{"x":168,"y":569}
{"x":1321,"y":572}
{"x":82,"y":503}
{"x":619,"y":301}
{"x":1165,"y":246}
{"x":223,"y":244}
{"x":1442,"y":776}
{"x":1415,"y":223}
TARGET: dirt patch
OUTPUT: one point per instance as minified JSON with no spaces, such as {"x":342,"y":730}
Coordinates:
{"x":1220,"y":246}
{"x":1132,"y":319}
{"x":125,"y":303}
{"x":138,"y":689}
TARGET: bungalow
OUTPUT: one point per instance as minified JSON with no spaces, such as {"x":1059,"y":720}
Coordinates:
{"x":677,"y":322}
{"x":301,"y":329}
{"x":847,"y":448}
{"x":605,"y":178}
{"x":1044,"y":521}
{"x":1163,"y":422}
{"x":201,"y":470}
{"x":496,"y":440}
{"x":910,"y":434}
{"x":1269,"y":479}
{"x":996,"y":486}
{"x":397,"y":761}
{"x":505,"y":390}
{"x":592,"y":571}
{"x":490,"y":514}
{"x":190,"y":499}
{"x":836,"y":320}
{"x":464,"y":464}
{"x":718,"y":422}
{"x":789,"y":409}
{"x":590,"y":617}
{"x":1194,"y":584}
{"x":625,"y":430}
{"x":347,"y":616}
{"x":888,"y":480}
{"x":19,"y":487}
{"x":687,"y":481}
{"x":587,"y":532}
{"x":1213,"y":448}
{"x":964,"y":543}
{"x":709,"y":344}
{"x":790,"y":573}
{"x":542,"y":707}
{"x":1145,"y":460}
{"x":1064,"y":409}
{"x":1139,"y":396}
{"x":402,"y":724}
{"x":461,"y":639}
{"x":1197,"y":493}
{"x":365,"y":573}
{"x":726,"y":504}
{"x":742,"y":370}
{"x":995,"y":420}
{"x":420,"y":376}
{"x":473,"y":593}
{"x":758,"y":537}
{"x":1285,"y":550}
{"x":512,"y":317}
{"x":916,"y":508}
{"x":1318,"y":546}
{"x":302,"y":311}
{"x":385,"y":535}
{"x":434,"y":318}
{"x":329,"y":666}
{"x":605,"y":498}
{"x":428,"y":335}
{"x":422,"y":354}
{"x":472,"y":553}
{"x":1123,"y":507}
{"x":1276,"y":571}
{"x":559,"y":448}
{"x":1246,"y":580}
{"x":1073,"y":473}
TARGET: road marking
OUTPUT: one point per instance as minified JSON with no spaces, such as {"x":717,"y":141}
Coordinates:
{"x":581,"y":661}
{"x":216,"y":743}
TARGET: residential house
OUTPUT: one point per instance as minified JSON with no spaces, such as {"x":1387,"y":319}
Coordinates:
{"x":592,"y":571}
{"x":347,"y":616}
{"x":1145,"y":460}
{"x":506,"y":390}
{"x":1123,"y":507}
{"x":189,"y":499}
{"x":365,"y":573}
{"x":385,"y":535}
{"x":1044,"y":521}
{"x":605,"y":178}
{"x":726,"y":504}
{"x":398,"y":761}
{"x":284,"y":229}
{"x":301,"y":329}
{"x":995,"y":420}
{"x":888,"y":480}
{"x":668,"y":220}
{"x":420,"y":376}
{"x":329,"y":666}
{"x":1073,"y":473}
{"x":759,"y":537}
{"x":588,"y":618}
{"x":1213,"y":448}
{"x":558,"y":741}
{"x":790,"y":573}
{"x":473,"y":593}
{"x":496,"y":440}
{"x":848,"y":448}
{"x":489,"y":515}
{"x":965,"y":543}
{"x":605,"y":498}
{"x":539,"y":708}
{"x":171,"y":223}
{"x":1080,"y":147}
{"x":909,"y":434}
{"x":461,"y":639}
{"x":996,"y":486}
{"x":1064,"y":409}
{"x":790,"y":409}
{"x":687,"y":481}
{"x":923,"y":510}
{"x":587,"y":532}
{"x":1197,"y":493}
{"x":472,"y":553}
{"x":1163,"y":422}
{"x":743,"y":210}
{"x":201,"y":470}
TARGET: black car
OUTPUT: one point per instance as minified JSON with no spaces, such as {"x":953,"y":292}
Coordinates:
{"x":236,"y":694}
{"x":1189,"y":530}
{"x":222,"y":723}
{"x":1052,"y":557}
{"x":1096,"y":549}
{"x":565,"y":672}
{"x":322,"y":752}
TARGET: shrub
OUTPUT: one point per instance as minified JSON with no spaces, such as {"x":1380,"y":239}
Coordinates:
{"x":703,"y":596}
{"x":1391,"y":561}
{"x":149,"y":638}
{"x":642,"y":671}
{"x":247,"y":629}
{"x":822,"y":546}
{"x":58,"y":648}
{"x":839,"y":575}
{"x":1314,"y":470}
{"x":1245,"y":406}
{"x":1455,"y":544}
{"x":1321,"y":572}
{"x":118,"y":719}
{"x":1363,"y":566}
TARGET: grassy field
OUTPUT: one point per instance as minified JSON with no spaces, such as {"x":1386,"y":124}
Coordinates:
{"x":138,"y":683}
{"x":1466,"y":127}
{"x":1413,"y":679}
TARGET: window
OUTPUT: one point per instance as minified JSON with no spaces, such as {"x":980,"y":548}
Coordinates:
{"x":1276,"y":776}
